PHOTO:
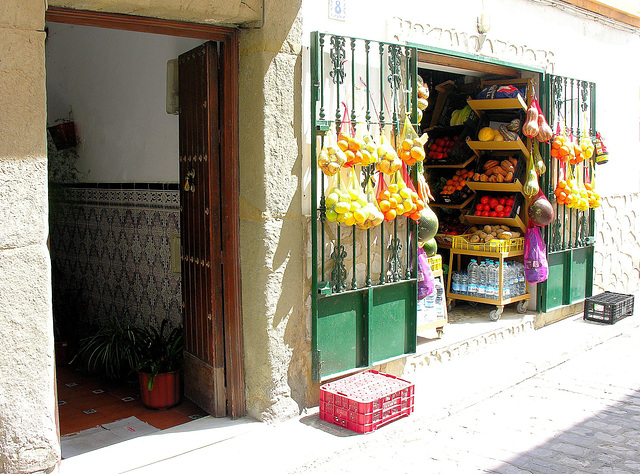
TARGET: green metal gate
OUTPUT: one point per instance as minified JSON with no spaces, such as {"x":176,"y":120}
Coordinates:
{"x":364,"y":286}
{"x":570,"y":237}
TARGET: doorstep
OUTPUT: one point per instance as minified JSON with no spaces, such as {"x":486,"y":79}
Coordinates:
{"x":469,"y":330}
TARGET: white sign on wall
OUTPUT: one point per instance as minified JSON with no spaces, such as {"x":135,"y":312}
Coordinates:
{"x":338,"y":10}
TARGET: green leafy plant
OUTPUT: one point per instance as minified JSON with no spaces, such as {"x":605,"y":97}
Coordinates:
{"x":160,"y":350}
{"x":113,"y":351}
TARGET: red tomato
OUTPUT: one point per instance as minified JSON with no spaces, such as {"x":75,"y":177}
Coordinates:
{"x":484,"y":200}
{"x":503,"y":200}
{"x":479,"y":207}
{"x":509,"y":202}
{"x":507,"y":210}
{"x":440,"y":141}
{"x":493,"y":214}
{"x":485,"y":213}
{"x":499,"y":208}
{"x":493,"y":202}
{"x":477,"y":213}
{"x":486,"y":207}
{"x":433,"y":147}
{"x":501,"y":214}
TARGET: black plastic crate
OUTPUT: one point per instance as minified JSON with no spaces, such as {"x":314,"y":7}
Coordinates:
{"x":608,"y":307}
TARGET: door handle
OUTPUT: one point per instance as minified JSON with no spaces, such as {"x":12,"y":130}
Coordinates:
{"x":189,"y":179}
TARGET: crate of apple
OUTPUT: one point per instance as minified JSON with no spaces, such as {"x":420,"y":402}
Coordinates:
{"x":494,"y":206}
{"x":440,"y":147}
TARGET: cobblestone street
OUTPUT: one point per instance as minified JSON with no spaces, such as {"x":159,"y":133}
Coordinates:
{"x":581,"y":415}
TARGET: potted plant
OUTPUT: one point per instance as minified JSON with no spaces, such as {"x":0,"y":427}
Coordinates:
{"x":159,"y":366}
{"x":111,"y":352}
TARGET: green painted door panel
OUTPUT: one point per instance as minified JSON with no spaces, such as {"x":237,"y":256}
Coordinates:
{"x":340,"y":332}
{"x":392,"y":322}
{"x":579,"y":266}
{"x":556,"y":281}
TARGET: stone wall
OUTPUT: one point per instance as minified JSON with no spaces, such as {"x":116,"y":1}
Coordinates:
{"x":617,"y":255}
{"x":28,"y":438}
{"x":276,"y":340}
{"x":227,"y":12}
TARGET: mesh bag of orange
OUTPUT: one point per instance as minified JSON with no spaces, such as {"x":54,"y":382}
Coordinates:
{"x":411,"y":146}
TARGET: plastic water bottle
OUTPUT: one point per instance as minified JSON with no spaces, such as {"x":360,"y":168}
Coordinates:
{"x":488,"y":287}
{"x":482,"y":279}
{"x":464,"y":284}
{"x":522,"y":285}
{"x":513,"y":279}
{"x":506,"y":280}
{"x":472,"y":275}
{"x":455,"y":282}
{"x":494,"y":282}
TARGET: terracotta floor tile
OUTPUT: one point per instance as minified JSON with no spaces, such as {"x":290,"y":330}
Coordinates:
{"x":123,"y":391}
{"x":67,"y":411}
{"x":187,"y":407}
{"x":109,"y":405}
{"x":67,"y":374}
{"x":119,"y":409}
{"x":164,"y":419}
{"x":71,"y":425}
{"x":92,"y":400}
{"x":72,"y":393}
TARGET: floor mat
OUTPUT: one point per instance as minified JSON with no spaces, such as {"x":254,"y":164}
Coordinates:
{"x":104,"y":435}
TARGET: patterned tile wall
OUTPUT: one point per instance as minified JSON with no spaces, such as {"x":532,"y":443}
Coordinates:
{"x":110,"y":252}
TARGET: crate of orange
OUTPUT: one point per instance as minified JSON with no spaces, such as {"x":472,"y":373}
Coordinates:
{"x":454,"y":190}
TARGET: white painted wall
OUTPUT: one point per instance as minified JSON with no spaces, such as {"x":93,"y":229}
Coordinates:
{"x":115,"y":84}
{"x":576,"y":46}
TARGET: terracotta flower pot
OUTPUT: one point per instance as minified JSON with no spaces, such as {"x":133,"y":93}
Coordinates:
{"x":165,"y":392}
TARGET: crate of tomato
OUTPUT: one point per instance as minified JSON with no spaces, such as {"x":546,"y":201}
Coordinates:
{"x":448,"y":146}
{"x":499,"y":206}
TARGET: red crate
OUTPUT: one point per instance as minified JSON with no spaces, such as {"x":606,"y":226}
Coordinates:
{"x":366,"y":401}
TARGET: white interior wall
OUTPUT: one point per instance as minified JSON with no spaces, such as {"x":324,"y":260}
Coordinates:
{"x":114,"y":82}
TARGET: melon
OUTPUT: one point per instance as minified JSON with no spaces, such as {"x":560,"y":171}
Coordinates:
{"x":540,"y":211}
{"x":427,"y":225}
{"x":430,"y":247}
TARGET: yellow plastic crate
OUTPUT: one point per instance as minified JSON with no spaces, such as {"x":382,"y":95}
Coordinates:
{"x":461,"y":242}
{"x":435,"y":262}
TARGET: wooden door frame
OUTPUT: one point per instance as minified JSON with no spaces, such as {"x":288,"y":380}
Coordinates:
{"x":228,"y":37}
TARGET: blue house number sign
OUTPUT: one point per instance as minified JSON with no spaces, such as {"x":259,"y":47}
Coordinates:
{"x":338,"y":10}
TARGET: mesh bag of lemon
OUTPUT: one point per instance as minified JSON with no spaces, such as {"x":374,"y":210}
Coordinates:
{"x":411,"y":146}
{"x":388,"y":160}
{"x":347,"y":204}
{"x":331,"y":158}
{"x":369,"y":146}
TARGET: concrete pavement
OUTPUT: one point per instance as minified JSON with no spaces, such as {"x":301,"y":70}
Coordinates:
{"x":560,"y":399}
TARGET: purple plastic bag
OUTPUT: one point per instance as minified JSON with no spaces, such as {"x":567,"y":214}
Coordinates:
{"x":536,"y":267}
{"x":426,"y":282}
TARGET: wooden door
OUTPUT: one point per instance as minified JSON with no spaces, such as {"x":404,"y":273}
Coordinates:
{"x":201,"y":228}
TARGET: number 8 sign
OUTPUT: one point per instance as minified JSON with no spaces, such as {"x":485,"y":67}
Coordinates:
{"x":338,"y":10}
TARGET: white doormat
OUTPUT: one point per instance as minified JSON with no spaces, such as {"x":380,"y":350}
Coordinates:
{"x":104,"y":435}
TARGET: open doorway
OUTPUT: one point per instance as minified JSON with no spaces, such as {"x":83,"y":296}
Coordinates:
{"x":115,"y":212}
